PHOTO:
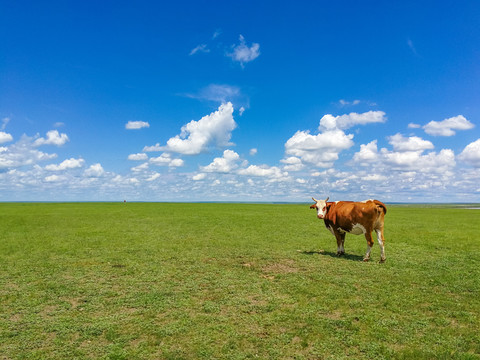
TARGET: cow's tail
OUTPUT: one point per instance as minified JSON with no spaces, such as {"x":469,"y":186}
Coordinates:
{"x":381,"y":206}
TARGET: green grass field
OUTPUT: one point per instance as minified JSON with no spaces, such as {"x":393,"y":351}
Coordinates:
{"x":234,"y":281}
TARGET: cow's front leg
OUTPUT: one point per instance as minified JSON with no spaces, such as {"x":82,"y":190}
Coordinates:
{"x":368,"y":236}
{"x":340,"y":243}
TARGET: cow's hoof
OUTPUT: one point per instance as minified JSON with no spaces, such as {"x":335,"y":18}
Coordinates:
{"x":366,"y":259}
{"x":340,"y":253}
{"x":383,"y":260}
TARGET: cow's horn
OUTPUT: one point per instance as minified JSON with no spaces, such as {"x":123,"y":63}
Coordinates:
{"x":327,"y":199}
{"x":314,"y":199}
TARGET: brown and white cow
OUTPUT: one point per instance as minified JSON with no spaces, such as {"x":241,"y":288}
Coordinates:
{"x":357,"y":218}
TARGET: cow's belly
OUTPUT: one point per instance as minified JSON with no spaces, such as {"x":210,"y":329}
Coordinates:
{"x":356,"y":229}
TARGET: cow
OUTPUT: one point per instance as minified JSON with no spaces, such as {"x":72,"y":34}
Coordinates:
{"x":357,"y":218}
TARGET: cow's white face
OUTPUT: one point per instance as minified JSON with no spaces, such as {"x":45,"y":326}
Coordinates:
{"x":321,"y":207}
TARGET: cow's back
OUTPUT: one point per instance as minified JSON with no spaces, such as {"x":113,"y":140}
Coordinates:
{"x":348,"y":214}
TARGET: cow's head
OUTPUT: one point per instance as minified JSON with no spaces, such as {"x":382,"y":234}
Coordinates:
{"x":321,"y":206}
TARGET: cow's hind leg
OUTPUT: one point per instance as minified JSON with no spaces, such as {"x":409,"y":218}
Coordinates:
{"x":368,"y":236}
{"x":381,"y":242}
{"x":340,"y":244}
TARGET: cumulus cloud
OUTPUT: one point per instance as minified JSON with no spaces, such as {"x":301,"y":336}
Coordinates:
{"x":292,"y":163}
{"x":368,"y":153}
{"x":138,"y":157}
{"x":140,"y":168}
{"x":22,"y":153}
{"x":166,"y":160}
{"x":135,"y":125}
{"x":407,"y":155}
{"x":242,"y":53}
{"x":224,"y":164}
{"x":414,"y":160}
{"x":66,"y":164}
{"x":323,"y":149}
{"x":329,"y":122}
{"x":53,"y":178}
{"x":199,"y":177}
{"x":271,"y":172}
{"x":5,"y":137}
{"x":197,"y":136}
{"x":153,"y":177}
{"x":95,"y":170}
{"x":414,"y":143}
{"x":448,"y":126}
{"x":53,"y":138}
{"x":320,"y":150}
{"x":471,"y":154}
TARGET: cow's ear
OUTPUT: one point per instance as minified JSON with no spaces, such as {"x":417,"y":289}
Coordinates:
{"x":313,"y":206}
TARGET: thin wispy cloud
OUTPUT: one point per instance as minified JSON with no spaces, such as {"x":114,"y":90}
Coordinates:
{"x":202,"y":48}
{"x":412,"y":47}
{"x":136,"y":125}
{"x":5,"y":121}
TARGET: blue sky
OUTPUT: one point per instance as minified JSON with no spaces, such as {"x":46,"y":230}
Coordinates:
{"x":240,"y":101}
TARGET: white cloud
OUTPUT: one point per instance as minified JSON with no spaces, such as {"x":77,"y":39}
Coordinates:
{"x":53,"y":178}
{"x":320,"y":150}
{"x":66,"y":164}
{"x":329,"y":122}
{"x":367,"y":153}
{"x":414,"y":160}
{"x":135,"y":125}
{"x":223,"y":164}
{"x":413,"y":143}
{"x":22,"y":153}
{"x":156,"y":147}
{"x":446,"y":127}
{"x":324,"y":148}
{"x":202,"y":48}
{"x":5,"y":137}
{"x":166,"y":160}
{"x":197,"y":136}
{"x":471,"y":154}
{"x":53,"y":138}
{"x":374,"y":177}
{"x":271,"y":172}
{"x":153,"y":177}
{"x":199,"y":177}
{"x":95,"y":170}
{"x":244,"y":54}
{"x":140,"y":168}
{"x":176,"y":163}
{"x":414,"y":126}
{"x":138,"y":157}
{"x":293,"y":163}
{"x":253,"y":151}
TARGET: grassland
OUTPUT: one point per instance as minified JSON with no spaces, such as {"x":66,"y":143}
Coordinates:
{"x":234,"y":281}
